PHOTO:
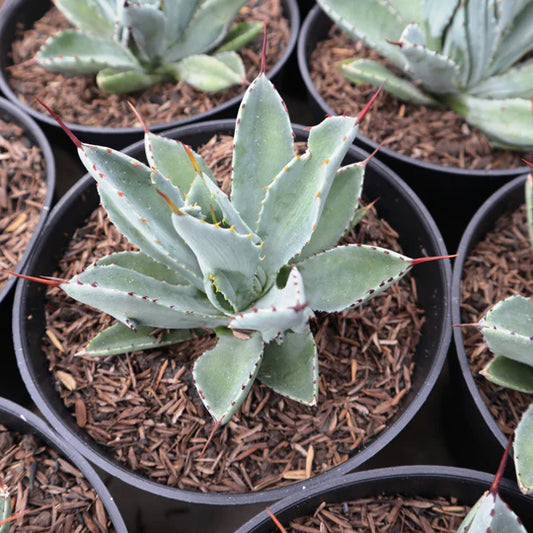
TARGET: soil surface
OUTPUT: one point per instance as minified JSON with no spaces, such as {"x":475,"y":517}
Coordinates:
{"x":433,"y":135}
{"x":22,"y":194}
{"x":497,"y":267}
{"x":145,"y":409}
{"x":383,"y":514}
{"x":53,"y":495}
{"x":78,"y":99}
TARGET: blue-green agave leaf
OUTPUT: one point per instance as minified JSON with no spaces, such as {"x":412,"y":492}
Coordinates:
{"x":178,"y":14}
{"x":119,"y":339}
{"x":259,"y":153}
{"x":119,"y":81}
{"x":438,"y":15}
{"x":72,"y":52}
{"x":239,"y":36}
{"x":523,"y":452}
{"x":147,"y":26}
{"x":89,"y":16}
{"x":529,"y":207}
{"x":515,"y":83}
{"x":510,"y":374}
{"x":291,"y":368}
{"x":353,"y":274}
{"x":225,"y":374}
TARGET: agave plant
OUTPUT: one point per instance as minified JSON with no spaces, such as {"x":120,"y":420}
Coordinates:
{"x":459,"y":54}
{"x":252,"y":267}
{"x":508,"y":331}
{"x":134,"y":44}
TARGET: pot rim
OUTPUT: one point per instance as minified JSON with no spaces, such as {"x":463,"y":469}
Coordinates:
{"x":290,"y":7}
{"x":475,"y":230}
{"x":282,"y":509}
{"x":318,"y":17}
{"x":132,"y":478}
{"x":38,"y":138}
{"x":31,"y":423}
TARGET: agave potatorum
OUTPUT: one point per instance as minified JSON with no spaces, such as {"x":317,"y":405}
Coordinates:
{"x":508,"y":331}
{"x":251,"y":267}
{"x":459,"y":54}
{"x":134,"y":44}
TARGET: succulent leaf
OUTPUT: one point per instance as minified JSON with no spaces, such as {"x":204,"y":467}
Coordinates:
{"x":239,"y":36}
{"x":370,"y":22}
{"x":178,"y":14}
{"x":291,"y":368}
{"x":491,"y":513}
{"x":225,"y":374}
{"x":515,"y":83}
{"x":5,"y":508}
{"x":118,"y":339}
{"x":281,"y":309}
{"x":509,"y":373}
{"x":529,"y":207}
{"x":353,"y":274}
{"x":338,"y":213}
{"x":438,"y":15}
{"x":147,"y":26}
{"x":88,"y":17}
{"x":118,"y":81}
{"x":72,"y":52}
{"x":295,"y":199}
{"x":259,"y":153}
{"x":369,"y":71}
{"x":210,"y":73}
{"x":137,"y":299}
{"x":523,"y":452}
{"x":508,"y":329}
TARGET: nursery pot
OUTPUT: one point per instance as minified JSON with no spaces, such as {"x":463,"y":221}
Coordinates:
{"x":423,"y":481}
{"x":418,"y":236}
{"x":451,"y":194}
{"x":27,"y":12}
{"x":11,"y":113}
{"x":19,"y":419}
{"x":488,"y":440}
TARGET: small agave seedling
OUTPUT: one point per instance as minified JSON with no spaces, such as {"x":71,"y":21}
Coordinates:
{"x":490,"y":513}
{"x":508,"y":331}
{"x":252,"y":267}
{"x":459,"y":54}
{"x":134,"y":44}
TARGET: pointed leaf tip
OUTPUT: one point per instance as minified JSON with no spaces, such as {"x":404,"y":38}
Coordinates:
{"x":194,"y":163}
{"x":367,"y":160}
{"x":420,"y":260}
{"x":274,"y":518}
{"x":528,"y":163}
{"x":171,"y":204}
{"x":370,"y":103}
{"x":495,"y":487}
{"x":263,"y":50}
{"x":138,"y":115}
{"x":56,"y":117}
{"x":44,"y":280}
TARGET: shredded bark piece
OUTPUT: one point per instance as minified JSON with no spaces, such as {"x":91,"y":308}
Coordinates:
{"x":499,"y":266}
{"x":428,"y":134}
{"x":22,"y":194}
{"x":77,"y":99}
{"x":144,"y":407}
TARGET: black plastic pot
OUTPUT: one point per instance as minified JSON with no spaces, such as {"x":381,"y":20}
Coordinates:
{"x":488,"y":440}
{"x":26,"y":12}
{"x":397,"y":204}
{"x":451,"y":194}
{"x":424,"y":481}
{"x":11,"y":113}
{"x":16,"y":418}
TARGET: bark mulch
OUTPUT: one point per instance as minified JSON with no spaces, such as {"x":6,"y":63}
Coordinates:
{"x":497,"y":267}
{"x":144,"y":409}
{"x":22,"y":194}
{"x":53,"y":495}
{"x":441,"y":137}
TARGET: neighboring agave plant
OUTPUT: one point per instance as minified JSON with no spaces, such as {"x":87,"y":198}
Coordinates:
{"x":508,"y":331}
{"x":134,"y":44}
{"x":251,"y":267}
{"x":5,"y":508}
{"x":490,"y":513}
{"x":459,"y":54}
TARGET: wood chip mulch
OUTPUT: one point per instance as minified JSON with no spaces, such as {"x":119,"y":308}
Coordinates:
{"x":77,"y":99}
{"x":424,"y":133}
{"x":497,"y":267}
{"x":22,"y":194}
{"x":52,"y":493}
{"x":383,"y":514}
{"x":144,"y":409}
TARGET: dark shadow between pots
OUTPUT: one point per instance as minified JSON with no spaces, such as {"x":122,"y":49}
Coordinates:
{"x":488,"y":441}
{"x":26,"y":12}
{"x":418,"y":237}
{"x":451,"y":194}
